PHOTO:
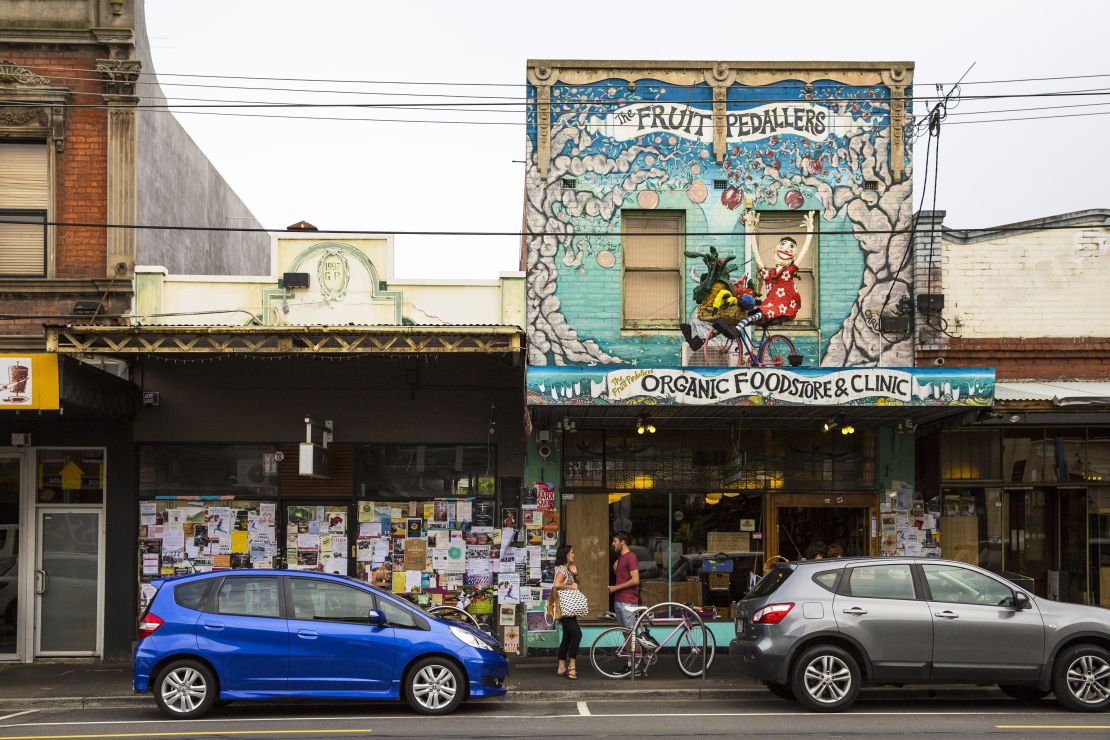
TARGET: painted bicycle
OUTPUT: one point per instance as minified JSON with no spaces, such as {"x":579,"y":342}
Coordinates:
{"x":773,"y":350}
{"x":612,"y":653}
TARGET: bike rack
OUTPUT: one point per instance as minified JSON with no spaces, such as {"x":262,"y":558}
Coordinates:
{"x":672,"y":605}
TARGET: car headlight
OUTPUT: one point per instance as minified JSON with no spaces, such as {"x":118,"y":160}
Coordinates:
{"x":470,"y":638}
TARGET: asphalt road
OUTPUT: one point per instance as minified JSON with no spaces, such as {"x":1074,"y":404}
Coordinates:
{"x":608,"y":719}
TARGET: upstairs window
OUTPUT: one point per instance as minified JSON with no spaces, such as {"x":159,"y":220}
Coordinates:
{"x":651,"y":289}
{"x":24,"y":201}
{"x":773,"y":226}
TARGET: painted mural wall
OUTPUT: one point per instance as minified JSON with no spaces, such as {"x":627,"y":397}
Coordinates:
{"x":645,"y":141}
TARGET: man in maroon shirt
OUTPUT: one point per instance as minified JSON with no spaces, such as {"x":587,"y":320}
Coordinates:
{"x":626,"y":591}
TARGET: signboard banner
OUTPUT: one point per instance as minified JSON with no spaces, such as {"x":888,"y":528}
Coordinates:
{"x":761,"y":386}
{"x":28,"y":382}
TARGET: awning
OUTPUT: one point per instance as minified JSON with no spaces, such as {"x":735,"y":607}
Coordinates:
{"x":1058,"y":393}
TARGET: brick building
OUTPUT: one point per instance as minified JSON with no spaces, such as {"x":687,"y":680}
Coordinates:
{"x":1030,"y":475}
{"x":643,"y":178}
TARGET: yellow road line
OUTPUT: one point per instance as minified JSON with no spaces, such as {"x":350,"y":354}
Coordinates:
{"x":1041,"y":727}
{"x":184,"y":733}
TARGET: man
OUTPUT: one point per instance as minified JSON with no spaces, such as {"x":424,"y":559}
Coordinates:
{"x":626,"y":590}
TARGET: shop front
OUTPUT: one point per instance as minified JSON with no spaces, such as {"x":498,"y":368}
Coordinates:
{"x":719,"y":473}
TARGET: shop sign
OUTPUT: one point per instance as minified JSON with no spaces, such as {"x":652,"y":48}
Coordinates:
{"x":762,"y":386}
{"x":28,"y":382}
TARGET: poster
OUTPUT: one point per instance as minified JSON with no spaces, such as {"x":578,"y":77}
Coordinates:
{"x":511,"y":641}
{"x":416,"y":554}
{"x":483,"y":513}
{"x":508,"y":588}
{"x":506,"y":615}
{"x":539,"y":622}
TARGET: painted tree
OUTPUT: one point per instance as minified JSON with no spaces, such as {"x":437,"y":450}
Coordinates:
{"x":549,"y":211}
{"x":874,"y":214}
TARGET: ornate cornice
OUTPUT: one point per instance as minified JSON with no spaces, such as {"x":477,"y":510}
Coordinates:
{"x":119,"y":75}
{"x":15,"y":75}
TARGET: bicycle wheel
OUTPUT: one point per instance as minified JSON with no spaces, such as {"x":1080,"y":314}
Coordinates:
{"x":776,"y":351}
{"x":688,"y":650}
{"x":454,"y":614}
{"x":611,"y":653}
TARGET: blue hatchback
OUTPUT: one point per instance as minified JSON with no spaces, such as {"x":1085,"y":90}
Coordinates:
{"x":272,"y":634}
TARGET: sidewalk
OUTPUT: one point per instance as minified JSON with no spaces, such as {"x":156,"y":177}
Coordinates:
{"x":75,"y":685}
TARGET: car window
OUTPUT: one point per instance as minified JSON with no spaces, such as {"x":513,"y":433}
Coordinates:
{"x":826,"y":579}
{"x":250,"y":596}
{"x":882,"y":582}
{"x":193,"y":595}
{"x":955,"y":585}
{"x":327,"y":601}
{"x":395,"y":614}
{"x":770,"y":583}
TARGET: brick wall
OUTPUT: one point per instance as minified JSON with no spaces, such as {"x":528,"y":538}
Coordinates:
{"x":81,"y":171}
{"x":1028,"y":358}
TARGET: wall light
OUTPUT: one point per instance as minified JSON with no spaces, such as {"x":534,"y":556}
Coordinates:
{"x":645,"y":424}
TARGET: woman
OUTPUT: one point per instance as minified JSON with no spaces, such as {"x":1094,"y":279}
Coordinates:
{"x":781,"y":301}
{"x":566,"y":576}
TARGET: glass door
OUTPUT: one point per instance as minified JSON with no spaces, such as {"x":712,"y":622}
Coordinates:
{"x":9,"y":556}
{"x":67,"y":581}
{"x":1028,"y":550}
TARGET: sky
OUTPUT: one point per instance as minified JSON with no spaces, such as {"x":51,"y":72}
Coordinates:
{"x":453,"y":177}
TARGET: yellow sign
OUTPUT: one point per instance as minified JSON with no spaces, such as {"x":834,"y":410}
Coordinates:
{"x":29,"y":382}
{"x":71,"y":476}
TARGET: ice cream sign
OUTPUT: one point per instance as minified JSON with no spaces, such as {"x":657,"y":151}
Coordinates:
{"x":809,"y":120}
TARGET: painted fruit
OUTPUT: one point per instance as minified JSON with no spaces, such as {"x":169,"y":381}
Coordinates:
{"x":816,"y":166}
{"x":731,"y":198}
{"x":697,"y":192}
{"x":647,"y":199}
{"x":794,"y":199}
{"x":606,"y":259}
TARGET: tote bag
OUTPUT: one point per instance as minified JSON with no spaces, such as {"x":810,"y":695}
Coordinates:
{"x":573,"y":603}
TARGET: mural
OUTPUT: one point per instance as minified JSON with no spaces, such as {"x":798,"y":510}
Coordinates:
{"x":820,"y":147}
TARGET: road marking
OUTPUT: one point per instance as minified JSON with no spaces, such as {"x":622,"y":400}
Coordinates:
{"x":1052,"y":727}
{"x":18,"y":714}
{"x":583,"y":710}
{"x":183,"y":733}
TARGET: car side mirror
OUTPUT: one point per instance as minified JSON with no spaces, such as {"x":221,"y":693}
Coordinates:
{"x":1021,"y":601}
{"x":375,"y":617}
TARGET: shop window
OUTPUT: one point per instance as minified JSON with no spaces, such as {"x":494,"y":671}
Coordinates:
{"x":70,"y":476}
{"x":953,"y":585}
{"x":24,"y":205}
{"x":970,"y":455}
{"x":208,"y":470}
{"x":1066,"y":456}
{"x":974,"y":526}
{"x":1098,"y":457}
{"x":1098,"y":545}
{"x":426,"y":471}
{"x":881,"y":582}
{"x":775,"y":226}
{"x":1023,"y":457}
{"x":248,"y":597}
{"x":329,"y":602}
{"x":652,"y":283}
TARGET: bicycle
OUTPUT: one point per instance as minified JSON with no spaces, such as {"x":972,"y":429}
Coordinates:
{"x":454,"y":614}
{"x":774,"y":350}
{"x":611,"y":653}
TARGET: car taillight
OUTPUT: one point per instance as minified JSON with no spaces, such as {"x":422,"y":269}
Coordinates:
{"x":149,"y":625}
{"x":772,"y":614}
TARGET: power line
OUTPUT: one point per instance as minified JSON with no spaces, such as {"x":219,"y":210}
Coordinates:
{"x":1016,"y":228}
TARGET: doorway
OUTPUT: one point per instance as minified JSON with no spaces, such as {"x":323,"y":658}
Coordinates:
{"x":826,"y":525}
{"x":67,"y":581}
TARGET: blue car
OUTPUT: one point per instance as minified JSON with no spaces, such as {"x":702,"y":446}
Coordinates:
{"x":272,"y":634}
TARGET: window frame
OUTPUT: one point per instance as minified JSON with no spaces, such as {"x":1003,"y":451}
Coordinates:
{"x":46,"y":139}
{"x":813,"y":323}
{"x":213,"y":605}
{"x":844,"y":588}
{"x":44,"y":214}
{"x":293,"y":608}
{"x":929,"y":591}
{"x":671,"y":323}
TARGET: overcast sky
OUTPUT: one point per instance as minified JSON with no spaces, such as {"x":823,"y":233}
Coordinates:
{"x":442,"y":177}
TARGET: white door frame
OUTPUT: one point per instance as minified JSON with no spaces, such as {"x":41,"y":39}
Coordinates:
{"x":40,"y":511}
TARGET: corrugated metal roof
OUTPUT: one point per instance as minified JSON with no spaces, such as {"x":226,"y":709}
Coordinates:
{"x":1060,"y":393}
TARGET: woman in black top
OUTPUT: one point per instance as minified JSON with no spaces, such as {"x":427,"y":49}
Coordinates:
{"x":566,"y":576}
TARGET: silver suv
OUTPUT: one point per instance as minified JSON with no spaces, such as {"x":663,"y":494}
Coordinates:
{"x":816,"y":631}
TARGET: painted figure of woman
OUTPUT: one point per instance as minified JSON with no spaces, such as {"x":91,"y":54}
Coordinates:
{"x":781,"y":301}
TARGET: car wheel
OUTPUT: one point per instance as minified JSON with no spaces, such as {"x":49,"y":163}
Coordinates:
{"x":781,"y":690}
{"x":825,"y":678}
{"x":185,"y":689}
{"x":434,"y":686}
{"x":1024,"y":692}
{"x":1081,"y":678}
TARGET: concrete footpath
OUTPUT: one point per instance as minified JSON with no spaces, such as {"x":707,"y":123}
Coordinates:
{"x":72,"y":685}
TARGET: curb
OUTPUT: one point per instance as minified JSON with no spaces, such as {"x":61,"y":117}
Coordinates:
{"x":533,"y":696}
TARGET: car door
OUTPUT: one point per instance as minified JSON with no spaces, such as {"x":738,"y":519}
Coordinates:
{"x":333,"y":649}
{"x":245,"y":636}
{"x":880,"y":608}
{"x":977,"y":632}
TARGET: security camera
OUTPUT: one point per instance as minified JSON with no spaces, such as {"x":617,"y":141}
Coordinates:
{"x":938,"y":361}
{"x":545,"y":451}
